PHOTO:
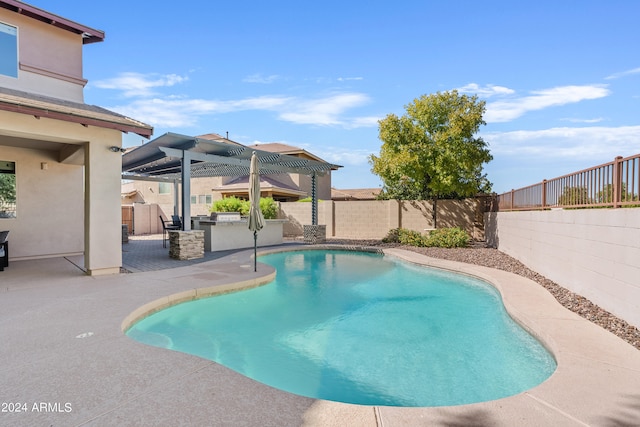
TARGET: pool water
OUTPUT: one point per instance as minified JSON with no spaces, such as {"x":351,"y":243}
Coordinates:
{"x":360,"y":328}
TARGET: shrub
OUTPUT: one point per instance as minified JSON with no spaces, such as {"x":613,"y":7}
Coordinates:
{"x":411,"y":237}
{"x":308,"y":199}
{"x":454,"y":237}
{"x":442,"y":238}
{"x":405,"y":237}
{"x":393,"y":236}
{"x":268,"y":206}
{"x":231,"y":204}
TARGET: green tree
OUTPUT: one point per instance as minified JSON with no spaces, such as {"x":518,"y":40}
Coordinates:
{"x":7,"y":188}
{"x":574,"y":196}
{"x":432,"y":152}
{"x":606,"y":195}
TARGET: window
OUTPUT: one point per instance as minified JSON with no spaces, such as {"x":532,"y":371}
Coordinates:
{"x":8,"y":50}
{"x":201,"y":199}
{"x":204,"y":199}
{"x":164,"y":188}
{"x":7,"y":189}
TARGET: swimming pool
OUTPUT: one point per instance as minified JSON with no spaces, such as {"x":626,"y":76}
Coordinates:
{"x":360,"y":328}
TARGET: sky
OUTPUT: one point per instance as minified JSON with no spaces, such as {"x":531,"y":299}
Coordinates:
{"x":561,"y":79}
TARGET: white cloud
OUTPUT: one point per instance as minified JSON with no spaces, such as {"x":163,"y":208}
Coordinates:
{"x":175,"y":111}
{"x":623,"y":74}
{"x":341,"y":156}
{"x":344,"y":79}
{"x":486,"y":91}
{"x":323,"y":111}
{"x":183,"y":112}
{"x":507,"y":110}
{"x":139,"y":85}
{"x":566,"y":142}
{"x":259,"y":78}
{"x":572,"y":120}
{"x":364,"y":122}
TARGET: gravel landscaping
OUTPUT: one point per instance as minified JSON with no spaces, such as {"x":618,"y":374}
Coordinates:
{"x":489,"y":257}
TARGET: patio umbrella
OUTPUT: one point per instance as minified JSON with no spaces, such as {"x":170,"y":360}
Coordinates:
{"x":256,"y":220}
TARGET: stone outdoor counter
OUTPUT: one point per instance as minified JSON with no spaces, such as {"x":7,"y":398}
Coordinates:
{"x":226,"y":235}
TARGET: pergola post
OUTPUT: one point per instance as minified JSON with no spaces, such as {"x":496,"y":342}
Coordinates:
{"x":186,"y":190}
{"x":176,"y":198}
{"x":314,"y":200}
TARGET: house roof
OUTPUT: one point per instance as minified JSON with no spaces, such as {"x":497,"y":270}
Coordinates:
{"x":89,"y":35}
{"x":161,"y":159}
{"x":277,"y":147}
{"x":355,"y":194}
{"x":267,"y":183}
{"x":53,"y":108}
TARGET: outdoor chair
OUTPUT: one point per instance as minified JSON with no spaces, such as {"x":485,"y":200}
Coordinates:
{"x":176,"y":221}
{"x":165,"y":231}
{"x":4,"y":250}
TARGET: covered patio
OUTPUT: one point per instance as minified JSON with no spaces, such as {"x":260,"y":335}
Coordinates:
{"x":175,"y":158}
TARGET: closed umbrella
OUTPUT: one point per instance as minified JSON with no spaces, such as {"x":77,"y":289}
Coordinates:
{"x":256,"y":220}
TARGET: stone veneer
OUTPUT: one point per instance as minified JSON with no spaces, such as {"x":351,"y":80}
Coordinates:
{"x":125,"y":233}
{"x":315,"y":234}
{"x":185,"y":245}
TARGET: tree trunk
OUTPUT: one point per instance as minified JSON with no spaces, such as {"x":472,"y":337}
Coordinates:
{"x":435,"y":212}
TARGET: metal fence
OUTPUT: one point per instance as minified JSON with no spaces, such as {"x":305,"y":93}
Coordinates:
{"x":614,"y":184}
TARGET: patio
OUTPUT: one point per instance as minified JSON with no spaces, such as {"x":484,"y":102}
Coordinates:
{"x":65,"y":356}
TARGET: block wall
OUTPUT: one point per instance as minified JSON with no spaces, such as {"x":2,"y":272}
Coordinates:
{"x":593,"y":252}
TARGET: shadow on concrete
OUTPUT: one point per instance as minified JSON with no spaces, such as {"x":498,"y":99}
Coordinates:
{"x":628,"y":415}
{"x":473,"y":418}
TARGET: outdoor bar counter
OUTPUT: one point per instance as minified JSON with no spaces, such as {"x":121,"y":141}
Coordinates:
{"x":225,"y":234}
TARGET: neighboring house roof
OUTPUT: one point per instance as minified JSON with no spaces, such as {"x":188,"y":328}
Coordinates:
{"x":219,"y":138}
{"x":277,"y":147}
{"x":267,"y":183}
{"x":89,"y":35}
{"x":53,"y":108}
{"x":355,"y":194}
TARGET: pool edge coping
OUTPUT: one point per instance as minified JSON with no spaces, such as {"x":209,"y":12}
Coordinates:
{"x":556,"y":397}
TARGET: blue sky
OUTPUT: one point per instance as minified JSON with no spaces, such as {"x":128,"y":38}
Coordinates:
{"x":561,"y":78}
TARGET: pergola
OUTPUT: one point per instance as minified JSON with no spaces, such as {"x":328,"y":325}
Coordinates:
{"x":177,"y":158}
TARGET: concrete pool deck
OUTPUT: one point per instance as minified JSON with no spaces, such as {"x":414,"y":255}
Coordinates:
{"x":65,"y":360}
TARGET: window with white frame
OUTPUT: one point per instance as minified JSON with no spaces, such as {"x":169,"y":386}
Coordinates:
{"x":8,"y":50}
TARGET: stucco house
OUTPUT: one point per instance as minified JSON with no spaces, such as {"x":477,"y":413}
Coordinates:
{"x":283,"y":187}
{"x":62,"y":155}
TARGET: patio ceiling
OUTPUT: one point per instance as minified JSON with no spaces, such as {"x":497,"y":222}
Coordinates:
{"x":162,"y":158}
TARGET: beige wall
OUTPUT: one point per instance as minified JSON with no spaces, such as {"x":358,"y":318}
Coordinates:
{"x":203,"y":186}
{"x":372,"y":219}
{"x":50,"y":213}
{"x":73,"y":205}
{"x":593,"y":252}
{"x":50,"y":59}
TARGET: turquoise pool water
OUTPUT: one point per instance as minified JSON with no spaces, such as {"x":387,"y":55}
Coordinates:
{"x":360,"y":328}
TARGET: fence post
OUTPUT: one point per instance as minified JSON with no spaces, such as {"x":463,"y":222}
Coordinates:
{"x":512,"y":197}
{"x":617,"y":181}
{"x":544,"y":193}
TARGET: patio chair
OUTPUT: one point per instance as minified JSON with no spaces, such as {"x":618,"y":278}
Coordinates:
{"x":165,"y":231}
{"x":4,"y":250}
{"x":176,"y":221}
